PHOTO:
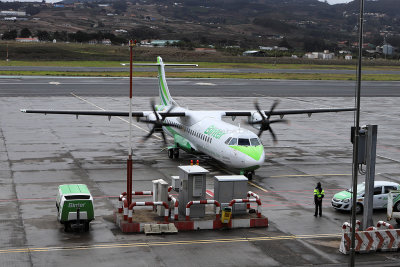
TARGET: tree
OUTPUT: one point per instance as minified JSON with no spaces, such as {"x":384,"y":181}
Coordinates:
{"x":25,"y":33}
{"x":285,"y":43}
{"x":10,"y":35}
{"x":43,"y":36}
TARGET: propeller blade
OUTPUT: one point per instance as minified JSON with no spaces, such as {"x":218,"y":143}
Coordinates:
{"x":276,"y":102}
{"x":163,"y":136}
{"x":273,"y":136}
{"x":259,"y":110}
{"x":153,"y":107}
{"x":149,"y":134}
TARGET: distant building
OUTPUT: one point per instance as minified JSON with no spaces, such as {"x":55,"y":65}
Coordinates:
{"x":320,"y":55}
{"x":253,"y":53}
{"x":106,"y":42}
{"x":10,"y":18}
{"x":13,"y":13}
{"x":348,"y":57}
{"x":268,"y":48}
{"x":163,"y":42}
{"x":387,"y":49}
{"x":27,"y":40}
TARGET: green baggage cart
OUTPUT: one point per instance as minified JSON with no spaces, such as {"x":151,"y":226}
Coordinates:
{"x":75,"y":206}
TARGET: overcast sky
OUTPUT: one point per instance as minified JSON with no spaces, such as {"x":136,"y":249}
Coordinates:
{"x":332,"y":2}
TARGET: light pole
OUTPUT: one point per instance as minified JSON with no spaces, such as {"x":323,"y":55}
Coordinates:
{"x":129,"y":161}
{"x":356,"y":136}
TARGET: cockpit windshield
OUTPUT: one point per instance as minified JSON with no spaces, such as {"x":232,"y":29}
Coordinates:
{"x":243,"y":141}
{"x":254,"y":142}
{"x":233,"y":142}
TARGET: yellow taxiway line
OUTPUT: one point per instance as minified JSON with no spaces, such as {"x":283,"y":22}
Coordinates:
{"x":167,"y":243}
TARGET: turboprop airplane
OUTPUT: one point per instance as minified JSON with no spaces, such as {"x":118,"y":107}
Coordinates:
{"x":202,"y":131}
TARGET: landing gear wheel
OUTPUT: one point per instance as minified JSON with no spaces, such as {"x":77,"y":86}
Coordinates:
{"x":359,"y":208}
{"x":176,"y":153}
{"x":397,"y":207}
{"x":86,"y":227}
{"x":170,"y":153}
{"x":249,"y":175}
{"x":67,"y":227}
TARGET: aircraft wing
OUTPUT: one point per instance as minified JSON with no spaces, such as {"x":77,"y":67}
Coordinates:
{"x":286,"y":112}
{"x":108,"y":113}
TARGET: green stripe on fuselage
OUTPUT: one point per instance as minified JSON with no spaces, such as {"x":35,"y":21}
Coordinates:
{"x":254,"y":152}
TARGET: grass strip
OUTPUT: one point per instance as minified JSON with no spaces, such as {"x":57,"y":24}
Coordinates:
{"x":280,"y":76}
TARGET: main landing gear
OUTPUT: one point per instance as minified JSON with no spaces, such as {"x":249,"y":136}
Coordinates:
{"x":173,"y":153}
{"x":249,"y":175}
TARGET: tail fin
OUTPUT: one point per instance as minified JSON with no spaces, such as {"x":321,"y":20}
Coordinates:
{"x":165,"y":97}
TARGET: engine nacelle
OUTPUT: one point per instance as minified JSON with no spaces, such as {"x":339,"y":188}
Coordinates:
{"x":150,"y":117}
{"x":255,"y":117}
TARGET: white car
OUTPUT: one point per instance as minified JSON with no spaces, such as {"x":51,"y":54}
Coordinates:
{"x":342,"y":200}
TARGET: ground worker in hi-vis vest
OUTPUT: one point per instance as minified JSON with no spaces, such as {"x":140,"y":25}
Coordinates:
{"x":319,"y":194}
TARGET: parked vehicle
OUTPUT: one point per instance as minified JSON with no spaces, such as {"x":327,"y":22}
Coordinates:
{"x":393,"y":206}
{"x":75,"y":206}
{"x":343,"y":199}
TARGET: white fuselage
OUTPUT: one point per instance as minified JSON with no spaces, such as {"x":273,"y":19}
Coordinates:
{"x":208,"y":133}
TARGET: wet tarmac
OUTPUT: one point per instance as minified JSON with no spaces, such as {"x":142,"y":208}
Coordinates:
{"x":37,"y":153}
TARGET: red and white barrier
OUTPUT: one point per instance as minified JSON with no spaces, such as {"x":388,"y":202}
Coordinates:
{"x":120,"y":202}
{"x":147,"y":203}
{"x":373,"y":239}
{"x":169,"y":188}
{"x":142,"y":193}
{"x":203,"y":202}
{"x":135,"y":193}
{"x":125,"y":209}
{"x":346,"y":227}
{"x":174,"y":215}
{"x":251,"y":194}
{"x":258,"y":201}
{"x":381,"y":225}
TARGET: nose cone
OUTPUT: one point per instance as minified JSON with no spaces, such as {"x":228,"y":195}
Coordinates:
{"x":250,"y":156}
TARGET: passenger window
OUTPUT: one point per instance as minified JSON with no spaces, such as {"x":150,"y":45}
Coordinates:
{"x":244,"y":142}
{"x":378,"y":190}
{"x":254,"y":142}
{"x":227,"y":140}
{"x":233,"y":142}
{"x":388,"y":188}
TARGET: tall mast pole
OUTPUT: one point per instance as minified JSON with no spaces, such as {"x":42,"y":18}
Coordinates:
{"x":129,"y":162}
{"x":356,"y":136}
